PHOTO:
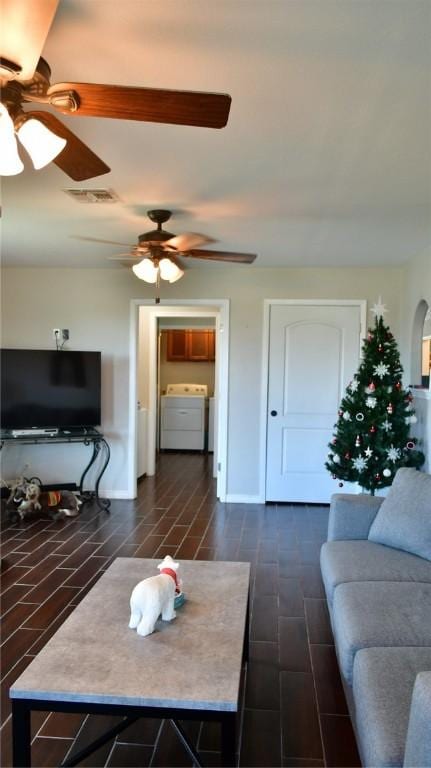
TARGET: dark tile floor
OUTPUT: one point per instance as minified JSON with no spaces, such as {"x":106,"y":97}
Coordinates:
{"x":294,"y":712}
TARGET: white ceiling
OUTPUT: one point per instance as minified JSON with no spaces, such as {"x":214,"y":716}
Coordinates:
{"x":326,"y":158}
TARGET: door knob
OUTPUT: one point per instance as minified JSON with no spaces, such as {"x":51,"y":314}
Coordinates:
{"x":273,"y":413}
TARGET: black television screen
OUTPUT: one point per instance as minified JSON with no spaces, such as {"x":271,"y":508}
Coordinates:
{"x":48,"y":388}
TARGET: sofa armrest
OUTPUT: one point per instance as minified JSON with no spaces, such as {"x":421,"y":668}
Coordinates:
{"x":351,"y":515}
{"x":418,"y":743}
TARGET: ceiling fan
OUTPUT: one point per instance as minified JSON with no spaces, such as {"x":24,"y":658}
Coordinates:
{"x":159,"y":253}
{"x":25,"y":78}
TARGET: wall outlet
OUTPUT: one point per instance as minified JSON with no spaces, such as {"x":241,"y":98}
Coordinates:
{"x":56,"y":333}
{"x":65,"y":334}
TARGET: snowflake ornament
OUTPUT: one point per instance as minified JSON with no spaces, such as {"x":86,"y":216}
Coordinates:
{"x":393,"y":453}
{"x":360,"y":463}
{"x":368,"y":452}
{"x":411,"y":419}
{"x":387,"y":426}
{"x":381,"y":370}
{"x":371,"y":402}
{"x":354,"y":385}
{"x":379,"y":309}
{"x":346,"y":416}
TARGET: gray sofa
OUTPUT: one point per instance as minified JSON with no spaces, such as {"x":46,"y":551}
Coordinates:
{"x":376,"y":568}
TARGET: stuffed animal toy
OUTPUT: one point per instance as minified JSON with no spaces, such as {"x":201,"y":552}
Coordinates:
{"x":155,"y":596}
{"x":27,"y":497}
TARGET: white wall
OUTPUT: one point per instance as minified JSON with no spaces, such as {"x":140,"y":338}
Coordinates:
{"x":95,"y":305}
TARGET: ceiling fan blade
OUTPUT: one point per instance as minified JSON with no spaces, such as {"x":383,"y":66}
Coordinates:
{"x":186,"y":241}
{"x":124,"y":257}
{"x":239,"y":258}
{"x":76,"y":159}
{"x":25,"y":26}
{"x":98,"y":240}
{"x":210,"y":110}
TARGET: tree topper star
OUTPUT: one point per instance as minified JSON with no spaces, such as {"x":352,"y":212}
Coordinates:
{"x":378,"y":309}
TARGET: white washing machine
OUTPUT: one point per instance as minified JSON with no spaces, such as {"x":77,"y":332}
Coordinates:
{"x":182,"y":417}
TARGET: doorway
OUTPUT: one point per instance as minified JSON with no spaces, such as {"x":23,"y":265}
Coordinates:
{"x":144,"y":322}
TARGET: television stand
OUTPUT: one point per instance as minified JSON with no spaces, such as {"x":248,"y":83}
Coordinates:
{"x":87,"y":436}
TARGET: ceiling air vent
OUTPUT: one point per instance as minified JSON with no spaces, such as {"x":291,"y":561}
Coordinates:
{"x":92,"y":195}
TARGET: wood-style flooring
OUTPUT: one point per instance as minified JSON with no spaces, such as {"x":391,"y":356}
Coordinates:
{"x":294,"y":712}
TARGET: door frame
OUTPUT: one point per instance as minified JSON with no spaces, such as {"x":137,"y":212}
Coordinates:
{"x":218,"y":308}
{"x":267,"y":304}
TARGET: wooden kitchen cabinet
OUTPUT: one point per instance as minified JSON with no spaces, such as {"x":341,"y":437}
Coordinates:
{"x":190,"y":346}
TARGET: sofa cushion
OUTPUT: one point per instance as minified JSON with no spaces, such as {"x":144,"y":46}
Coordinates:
{"x":383,"y":680}
{"x":404,"y":519}
{"x":343,"y":561}
{"x":379,"y":614}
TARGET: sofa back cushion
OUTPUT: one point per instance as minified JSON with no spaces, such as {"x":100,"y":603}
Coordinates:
{"x":404,"y":519}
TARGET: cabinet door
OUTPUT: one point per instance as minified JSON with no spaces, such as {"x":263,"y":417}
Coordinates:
{"x":198,"y":343}
{"x":177,"y":345}
{"x":211,"y":346}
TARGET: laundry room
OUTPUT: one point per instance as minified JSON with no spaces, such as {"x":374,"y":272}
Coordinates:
{"x":186,"y":353}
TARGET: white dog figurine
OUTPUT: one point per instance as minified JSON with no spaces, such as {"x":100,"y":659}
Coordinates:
{"x":154,"y":596}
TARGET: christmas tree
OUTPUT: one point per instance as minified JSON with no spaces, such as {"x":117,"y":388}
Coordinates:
{"x":371,"y":437}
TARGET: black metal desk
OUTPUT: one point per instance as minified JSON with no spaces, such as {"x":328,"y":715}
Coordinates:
{"x":87,"y":436}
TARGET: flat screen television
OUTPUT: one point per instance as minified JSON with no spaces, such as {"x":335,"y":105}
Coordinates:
{"x":43,"y":388}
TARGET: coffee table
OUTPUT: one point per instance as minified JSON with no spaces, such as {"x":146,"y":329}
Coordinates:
{"x":189,"y":668}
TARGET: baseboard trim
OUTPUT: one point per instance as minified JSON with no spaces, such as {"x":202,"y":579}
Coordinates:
{"x":243,"y":498}
{"x":107,"y":494}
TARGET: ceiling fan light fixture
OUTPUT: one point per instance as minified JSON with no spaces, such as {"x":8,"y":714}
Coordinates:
{"x":169,"y":270}
{"x":10,"y":161}
{"x":42,"y":145}
{"x":146,"y":270}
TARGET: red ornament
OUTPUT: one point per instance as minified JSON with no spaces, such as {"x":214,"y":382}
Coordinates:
{"x":398,"y":385}
{"x":380,"y":348}
{"x":377,"y":476}
{"x":347,"y":455}
{"x":334,"y":440}
{"x":369,"y":336}
{"x":340,"y":412}
{"x":390,"y":408}
{"x":372,"y":429}
{"x":371,"y":386}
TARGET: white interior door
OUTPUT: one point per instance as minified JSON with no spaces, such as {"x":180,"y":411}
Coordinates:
{"x":313,"y":354}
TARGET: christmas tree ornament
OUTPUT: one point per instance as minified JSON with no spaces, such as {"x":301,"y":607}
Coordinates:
{"x":359,"y":463}
{"x":393,"y":453}
{"x":372,"y":429}
{"x":359,"y":416}
{"x":371,"y":387}
{"x":340,"y":485}
{"x":378,"y":309}
{"x":369,"y":336}
{"x":410,"y":445}
{"x":380,"y":348}
{"x":346,"y":416}
{"x":368,"y":452}
{"x":398,"y":385}
{"x":334,"y":440}
{"x":371,"y":402}
{"x":336,"y":458}
{"x":387,"y":426}
{"x":390,"y":408}
{"x":381,"y":370}
{"x":347,"y":456}
{"x":354,"y":385}
{"x":357,"y":441}
{"x":377,"y":476}
{"x":387,"y":472}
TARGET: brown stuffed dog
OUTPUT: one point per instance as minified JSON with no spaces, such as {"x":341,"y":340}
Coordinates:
{"x":28,"y":498}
